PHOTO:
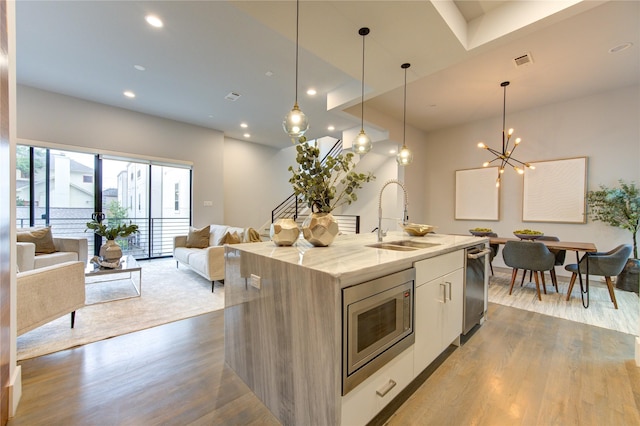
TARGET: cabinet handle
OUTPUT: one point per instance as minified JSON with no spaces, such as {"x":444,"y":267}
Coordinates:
{"x":449,"y":289}
{"x":386,"y":388}
{"x":444,"y":292}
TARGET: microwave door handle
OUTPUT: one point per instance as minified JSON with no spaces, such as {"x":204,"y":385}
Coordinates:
{"x":444,"y":292}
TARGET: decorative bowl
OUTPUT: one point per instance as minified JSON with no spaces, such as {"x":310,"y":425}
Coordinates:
{"x":528,"y":234}
{"x":417,"y":230}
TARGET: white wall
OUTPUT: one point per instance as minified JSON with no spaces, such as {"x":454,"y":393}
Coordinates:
{"x":256,"y":180}
{"x":603,"y":127}
{"x":58,"y":119}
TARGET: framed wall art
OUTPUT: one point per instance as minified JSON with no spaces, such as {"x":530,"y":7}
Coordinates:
{"x":477,"y":196}
{"x":555,"y":191}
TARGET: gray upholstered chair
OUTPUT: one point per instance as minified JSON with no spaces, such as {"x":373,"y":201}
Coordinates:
{"x":607,"y":265}
{"x":530,"y":256}
{"x":560,"y":256}
{"x":494,"y":250}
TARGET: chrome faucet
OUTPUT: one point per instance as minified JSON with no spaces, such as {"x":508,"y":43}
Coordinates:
{"x":405,"y":216}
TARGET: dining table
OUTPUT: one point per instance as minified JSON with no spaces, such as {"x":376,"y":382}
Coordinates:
{"x":578,"y":247}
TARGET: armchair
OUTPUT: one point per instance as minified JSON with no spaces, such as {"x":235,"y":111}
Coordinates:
{"x":67,"y":249}
{"x":608,"y":265}
{"x":47,"y":293}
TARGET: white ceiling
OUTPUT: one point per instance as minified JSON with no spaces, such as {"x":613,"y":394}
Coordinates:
{"x":460,"y":52}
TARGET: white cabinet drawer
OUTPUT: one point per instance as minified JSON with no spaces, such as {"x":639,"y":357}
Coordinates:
{"x":362,"y":404}
{"x":434,"y":267}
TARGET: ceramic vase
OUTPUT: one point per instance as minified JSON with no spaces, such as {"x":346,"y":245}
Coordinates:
{"x":629,"y":278}
{"x":110,"y":251}
{"x":320,"y":229}
{"x":284,"y":232}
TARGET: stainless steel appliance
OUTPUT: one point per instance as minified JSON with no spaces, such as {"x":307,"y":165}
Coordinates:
{"x":377,"y":324}
{"x":476,"y":265}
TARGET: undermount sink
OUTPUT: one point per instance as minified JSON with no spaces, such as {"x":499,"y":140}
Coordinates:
{"x":403,"y":245}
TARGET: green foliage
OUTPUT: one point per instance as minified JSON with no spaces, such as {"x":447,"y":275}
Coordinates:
{"x":317,"y":183}
{"x":22,"y":159}
{"x":112,"y":232}
{"x":115,"y":213}
{"x":618,"y":207}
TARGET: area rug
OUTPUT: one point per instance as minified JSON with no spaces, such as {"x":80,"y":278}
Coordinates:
{"x":168,"y":294}
{"x":600,"y":312}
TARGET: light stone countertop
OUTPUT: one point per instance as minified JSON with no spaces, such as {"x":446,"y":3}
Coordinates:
{"x":349,"y":260}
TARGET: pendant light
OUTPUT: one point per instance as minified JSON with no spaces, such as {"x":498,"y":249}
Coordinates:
{"x":295,"y":123}
{"x":362,"y":143}
{"x":405,"y":156}
{"x":505,"y":156}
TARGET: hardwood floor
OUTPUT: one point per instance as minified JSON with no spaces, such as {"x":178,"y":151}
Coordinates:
{"x":518,"y":368}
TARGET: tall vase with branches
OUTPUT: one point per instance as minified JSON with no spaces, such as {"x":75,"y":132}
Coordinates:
{"x":620,"y":207}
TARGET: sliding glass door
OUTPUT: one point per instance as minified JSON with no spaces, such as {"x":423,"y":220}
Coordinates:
{"x":65,"y":189}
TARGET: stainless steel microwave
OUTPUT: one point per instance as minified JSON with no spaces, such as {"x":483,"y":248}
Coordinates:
{"x":377,"y":324}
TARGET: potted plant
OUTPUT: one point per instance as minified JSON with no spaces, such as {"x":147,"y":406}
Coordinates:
{"x":620,"y":207}
{"x":324,"y":187}
{"x":111,"y":251}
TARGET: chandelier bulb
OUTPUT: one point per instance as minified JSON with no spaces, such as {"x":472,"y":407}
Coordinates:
{"x":405,"y":156}
{"x":485,"y":164}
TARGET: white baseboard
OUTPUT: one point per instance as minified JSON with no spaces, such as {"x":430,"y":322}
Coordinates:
{"x":15,"y":391}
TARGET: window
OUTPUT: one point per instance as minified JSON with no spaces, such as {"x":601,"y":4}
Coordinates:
{"x":176,"y":198}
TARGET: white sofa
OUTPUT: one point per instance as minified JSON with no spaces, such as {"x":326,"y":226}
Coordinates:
{"x":47,"y":293}
{"x":209,"y":261}
{"x":67,"y":249}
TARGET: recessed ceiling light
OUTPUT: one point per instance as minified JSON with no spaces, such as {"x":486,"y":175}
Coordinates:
{"x":620,"y":47}
{"x":244,"y":125}
{"x":129,"y":94}
{"x":139,"y":67}
{"x":331,"y":128}
{"x":247,"y":135}
{"x":269,"y":73}
{"x":154,"y":21}
{"x":210,"y":115}
{"x":392,"y":151}
{"x":311,"y":92}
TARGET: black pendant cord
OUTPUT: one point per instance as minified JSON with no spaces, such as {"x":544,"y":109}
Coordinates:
{"x":404,"y":112}
{"x":504,"y":112}
{"x":297,"y":26}
{"x":362,"y":91}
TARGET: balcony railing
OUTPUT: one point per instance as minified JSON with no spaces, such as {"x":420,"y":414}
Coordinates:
{"x":153,"y":239}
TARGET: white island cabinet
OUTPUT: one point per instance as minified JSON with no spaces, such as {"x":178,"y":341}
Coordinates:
{"x":283,"y":321}
{"x":439,"y":305}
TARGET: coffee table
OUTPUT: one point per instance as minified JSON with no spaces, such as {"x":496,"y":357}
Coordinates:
{"x":128,"y":265}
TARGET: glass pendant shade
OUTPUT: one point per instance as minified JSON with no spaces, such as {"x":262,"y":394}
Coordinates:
{"x":362,"y":143}
{"x":405,"y":156}
{"x":295,"y":123}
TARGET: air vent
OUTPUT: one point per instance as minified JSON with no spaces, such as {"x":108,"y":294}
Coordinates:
{"x":232,"y":96}
{"x":525,"y":59}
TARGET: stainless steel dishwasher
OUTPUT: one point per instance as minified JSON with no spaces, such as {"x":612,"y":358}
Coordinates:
{"x":476,"y":265}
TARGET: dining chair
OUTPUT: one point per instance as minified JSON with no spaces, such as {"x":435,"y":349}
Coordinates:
{"x":607,"y":265}
{"x":529,"y":256}
{"x":560,"y":256}
{"x":494,"y":250}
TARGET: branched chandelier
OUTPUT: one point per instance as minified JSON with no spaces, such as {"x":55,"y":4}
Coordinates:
{"x":505,"y":157}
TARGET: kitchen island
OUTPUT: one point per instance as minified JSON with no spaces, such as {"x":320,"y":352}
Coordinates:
{"x":284,"y":320}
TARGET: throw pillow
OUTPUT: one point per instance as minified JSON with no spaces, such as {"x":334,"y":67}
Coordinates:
{"x":254,"y":236}
{"x":198,"y":238}
{"x":231,"y":238}
{"x":41,"y":237}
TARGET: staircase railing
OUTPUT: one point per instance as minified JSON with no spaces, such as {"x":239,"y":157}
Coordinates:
{"x":292,"y":206}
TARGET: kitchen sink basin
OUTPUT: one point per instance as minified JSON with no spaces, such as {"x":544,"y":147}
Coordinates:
{"x":403,"y":245}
